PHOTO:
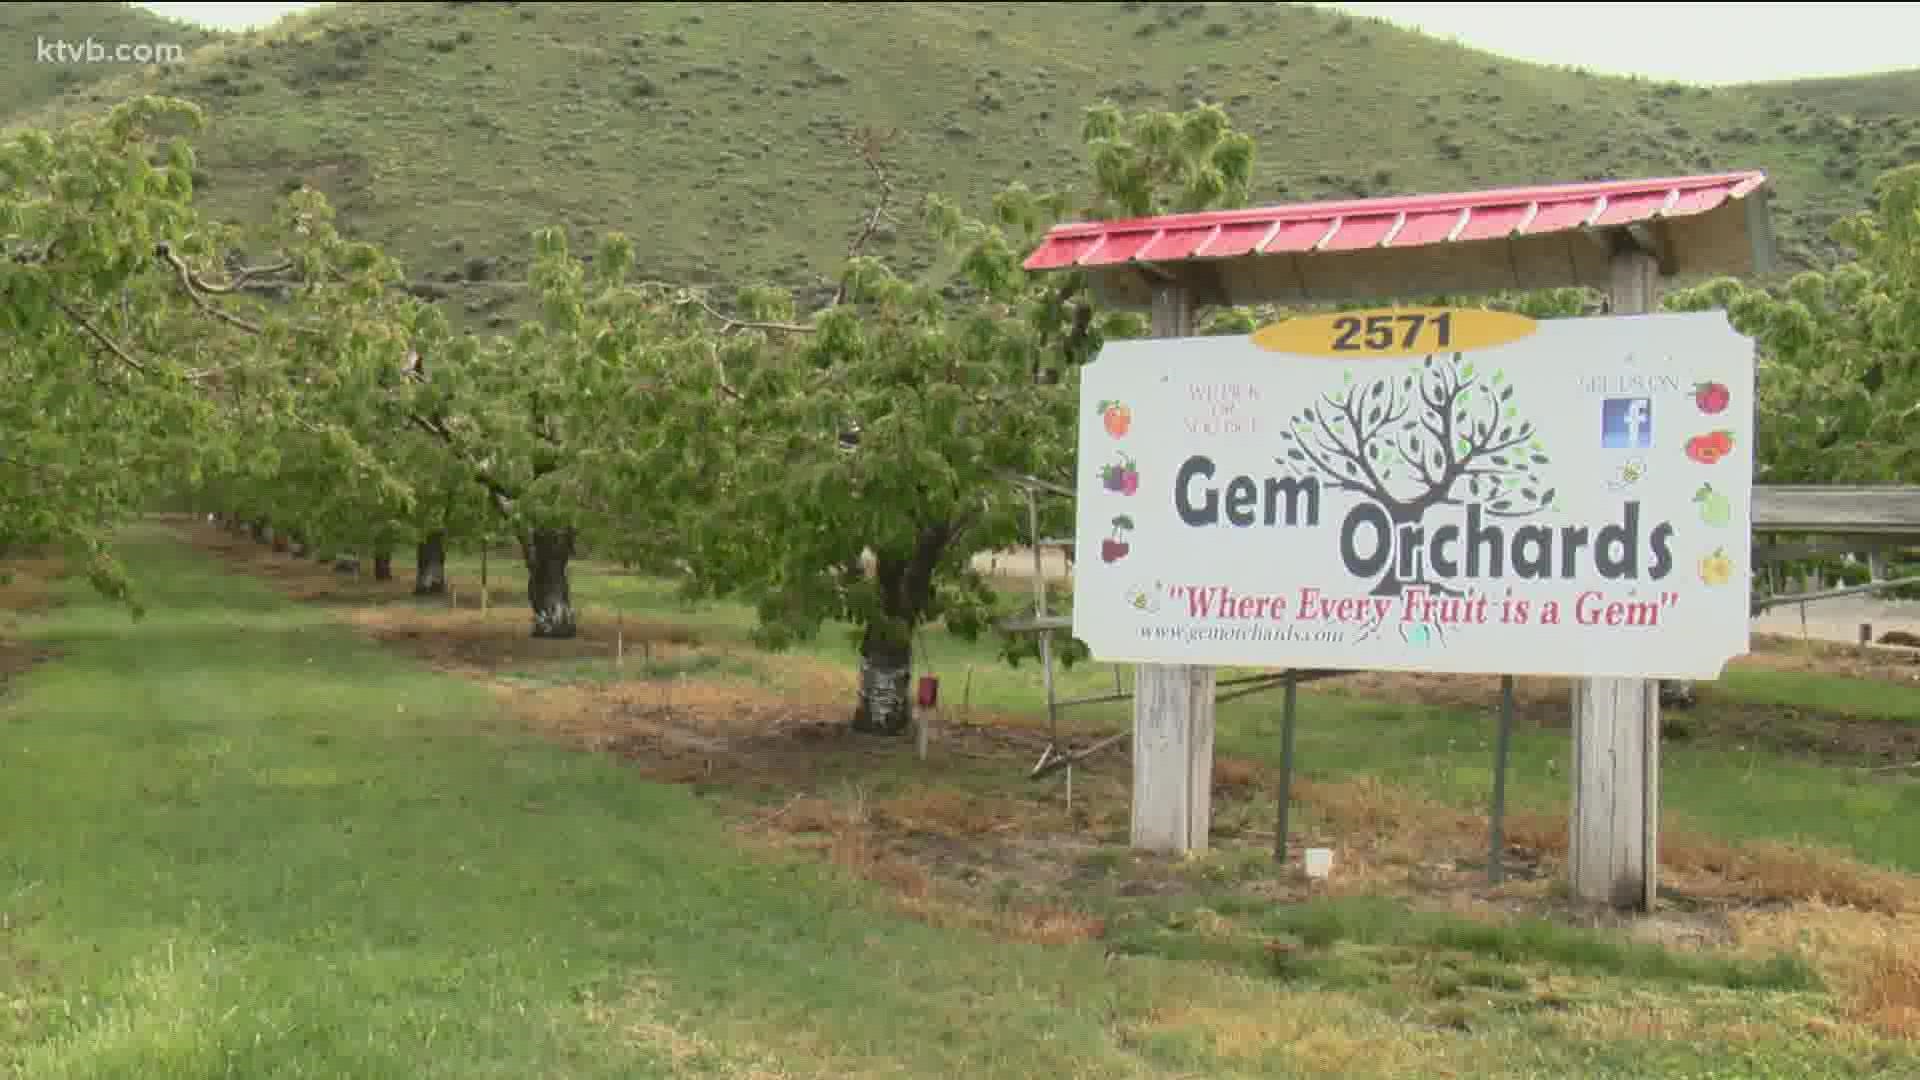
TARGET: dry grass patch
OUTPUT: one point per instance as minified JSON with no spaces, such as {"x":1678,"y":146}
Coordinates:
{"x":1770,"y":871}
{"x":1387,"y":835}
{"x":637,"y":1020}
{"x":1238,"y":775}
{"x":27,"y":582}
{"x":26,"y":591}
{"x":860,"y":837}
{"x":1888,"y":998}
{"x":476,"y":641}
{"x":1324,"y":1033}
{"x":1873,"y":959}
{"x":951,"y":812}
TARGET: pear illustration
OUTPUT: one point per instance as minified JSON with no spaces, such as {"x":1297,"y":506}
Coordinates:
{"x":1715,"y":510}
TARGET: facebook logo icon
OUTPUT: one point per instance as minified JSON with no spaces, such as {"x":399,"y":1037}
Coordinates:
{"x":1626,"y":423}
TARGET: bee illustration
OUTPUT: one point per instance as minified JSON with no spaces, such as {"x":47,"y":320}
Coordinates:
{"x":1140,"y":600}
{"x":1628,"y":475}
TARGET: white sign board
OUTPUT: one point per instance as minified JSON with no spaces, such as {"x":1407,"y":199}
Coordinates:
{"x":1421,"y":490}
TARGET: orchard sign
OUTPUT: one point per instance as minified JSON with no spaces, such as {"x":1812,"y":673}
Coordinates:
{"x":1441,"y":490}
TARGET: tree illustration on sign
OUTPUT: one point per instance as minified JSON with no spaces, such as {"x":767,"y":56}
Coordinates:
{"x":1441,"y":435}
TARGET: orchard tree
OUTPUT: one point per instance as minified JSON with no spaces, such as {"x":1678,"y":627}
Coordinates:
{"x":867,"y":450}
{"x":394,"y":414}
{"x":577,"y":425}
{"x":144,"y":355}
{"x":1839,"y":364}
{"x":113,"y":384}
{"x":558,"y":429}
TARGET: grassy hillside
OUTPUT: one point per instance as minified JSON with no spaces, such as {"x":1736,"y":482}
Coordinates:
{"x":715,"y":134}
{"x":26,"y":83}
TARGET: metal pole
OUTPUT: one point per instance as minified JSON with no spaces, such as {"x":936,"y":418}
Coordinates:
{"x":1040,"y":611}
{"x":1496,"y":840}
{"x":1286,"y":770}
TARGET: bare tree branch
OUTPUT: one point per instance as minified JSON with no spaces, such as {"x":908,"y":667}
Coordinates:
{"x":241,"y":279}
{"x":102,"y":339}
{"x":869,"y":142}
{"x":194,"y":293}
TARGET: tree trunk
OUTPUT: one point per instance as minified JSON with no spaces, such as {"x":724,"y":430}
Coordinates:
{"x":382,"y":565}
{"x":548,"y":592}
{"x":886,"y":699}
{"x":430,"y":565}
{"x":886,"y":684}
{"x":1391,"y":583}
{"x":258,"y":530}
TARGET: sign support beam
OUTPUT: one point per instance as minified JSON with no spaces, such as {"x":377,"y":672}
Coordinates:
{"x":1612,"y":849}
{"x":1173,"y":704}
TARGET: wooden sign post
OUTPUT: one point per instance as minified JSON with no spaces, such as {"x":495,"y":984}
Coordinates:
{"x":1173,"y":704}
{"x":1613,"y":840}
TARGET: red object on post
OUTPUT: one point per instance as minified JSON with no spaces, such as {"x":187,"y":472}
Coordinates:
{"x":929,"y":691}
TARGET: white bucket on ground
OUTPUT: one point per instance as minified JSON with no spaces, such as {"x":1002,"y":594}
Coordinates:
{"x":1318,"y":862}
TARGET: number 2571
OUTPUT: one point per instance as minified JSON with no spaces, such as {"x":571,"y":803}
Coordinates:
{"x":1376,"y":333}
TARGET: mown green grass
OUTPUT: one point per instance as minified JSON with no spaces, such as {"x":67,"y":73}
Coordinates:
{"x":715,"y":137}
{"x":241,"y":840}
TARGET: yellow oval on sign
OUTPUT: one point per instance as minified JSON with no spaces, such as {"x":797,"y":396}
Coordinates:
{"x":1393,"y":332}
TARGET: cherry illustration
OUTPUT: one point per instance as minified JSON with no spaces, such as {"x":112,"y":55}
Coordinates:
{"x":1114,"y":548}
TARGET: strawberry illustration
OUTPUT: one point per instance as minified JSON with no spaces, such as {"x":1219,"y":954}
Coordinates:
{"x":1123,"y":478}
{"x":1116,"y":416}
{"x":1712,"y":397}
{"x":1113,"y":548}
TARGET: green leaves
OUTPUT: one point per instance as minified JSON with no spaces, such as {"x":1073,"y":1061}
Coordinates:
{"x":1838,"y":377}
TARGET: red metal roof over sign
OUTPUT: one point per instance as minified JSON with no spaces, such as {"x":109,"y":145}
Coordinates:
{"x":1389,"y":223}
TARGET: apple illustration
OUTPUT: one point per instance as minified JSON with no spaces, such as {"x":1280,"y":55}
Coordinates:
{"x":1116,"y":417}
{"x":1715,"y":510}
{"x":1712,"y":397}
{"x":1114,"y":548}
{"x":1123,"y":478}
{"x":1717,"y":568}
{"x":1711,"y":447}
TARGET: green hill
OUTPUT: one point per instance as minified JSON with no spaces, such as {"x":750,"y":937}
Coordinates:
{"x":715,"y":133}
{"x":27,"y":81}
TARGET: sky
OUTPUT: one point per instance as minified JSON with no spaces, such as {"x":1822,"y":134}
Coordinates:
{"x":1698,"y":43}
{"x":1709,"y":43}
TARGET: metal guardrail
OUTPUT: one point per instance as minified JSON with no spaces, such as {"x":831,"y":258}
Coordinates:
{"x":1759,"y":606}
